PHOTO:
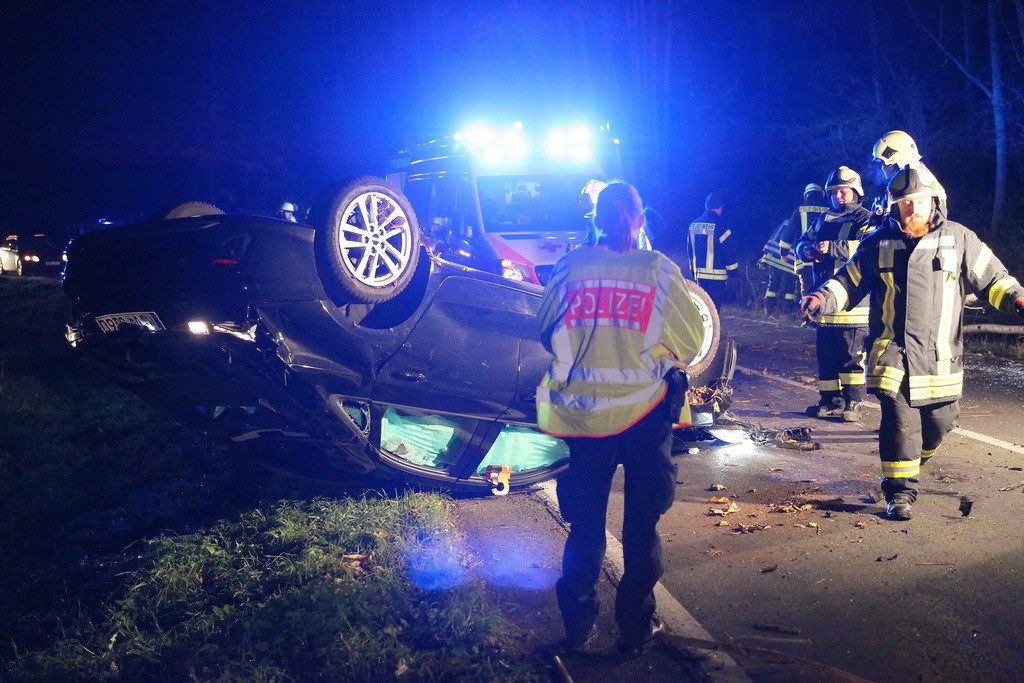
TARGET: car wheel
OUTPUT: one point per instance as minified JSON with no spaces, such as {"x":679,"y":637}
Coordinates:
{"x":367,"y":240}
{"x":189,"y":210}
{"x":707,"y":366}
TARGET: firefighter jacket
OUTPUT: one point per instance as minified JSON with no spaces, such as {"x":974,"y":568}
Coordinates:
{"x":842,"y":230}
{"x":916,"y":289}
{"x":779,"y":250}
{"x":617,"y":323}
{"x":712,"y":254}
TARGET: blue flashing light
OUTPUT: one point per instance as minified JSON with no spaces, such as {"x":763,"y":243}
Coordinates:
{"x":575,"y":143}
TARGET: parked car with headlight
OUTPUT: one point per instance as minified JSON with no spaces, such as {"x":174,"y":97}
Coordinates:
{"x":30,"y":254}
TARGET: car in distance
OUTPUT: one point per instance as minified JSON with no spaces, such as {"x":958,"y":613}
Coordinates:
{"x":30,"y":254}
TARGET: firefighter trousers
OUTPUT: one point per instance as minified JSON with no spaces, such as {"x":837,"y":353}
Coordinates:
{"x":908,"y":436}
{"x":645,"y":452}
{"x":840,"y":353}
{"x":783,"y":287}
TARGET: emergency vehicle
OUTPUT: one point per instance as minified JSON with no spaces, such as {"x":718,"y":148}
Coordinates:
{"x":504,"y":201}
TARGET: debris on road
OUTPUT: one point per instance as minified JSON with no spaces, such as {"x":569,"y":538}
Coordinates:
{"x":721,"y":512}
{"x":965,"y":505}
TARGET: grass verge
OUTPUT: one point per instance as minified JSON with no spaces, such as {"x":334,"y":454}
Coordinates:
{"x":132,"y":551}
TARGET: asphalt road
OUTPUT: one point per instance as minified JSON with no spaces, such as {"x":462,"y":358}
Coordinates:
{"x":808,"y":564}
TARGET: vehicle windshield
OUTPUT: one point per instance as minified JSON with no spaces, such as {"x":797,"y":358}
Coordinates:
{"x":531,"y":202}
{"x":38,"y":243}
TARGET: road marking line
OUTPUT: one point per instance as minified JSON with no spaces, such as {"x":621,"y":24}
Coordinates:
{"x":983,"y":438}
{"x":679,"y":621}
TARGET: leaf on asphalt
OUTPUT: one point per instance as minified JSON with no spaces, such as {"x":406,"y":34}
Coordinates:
{"x":714,"y":552}
{"x":860,"y":525}
{"x":733,"y":507}
{"x":718,"y":499}
{"x":717,"y":487}
{"x":806,"y":380}
{"x":766,"y":570}
{"x":886,"y":559}
{"x":813,"y":525}
{"x":750,"y":528}
{"x":722,"y":522}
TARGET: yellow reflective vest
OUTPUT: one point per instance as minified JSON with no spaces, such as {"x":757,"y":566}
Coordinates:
{"x":616,"y":324}
{"x":916,"y":290}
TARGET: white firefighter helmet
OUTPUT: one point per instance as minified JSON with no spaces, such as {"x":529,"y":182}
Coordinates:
{"x":896,"y":148}
{"x":813,"y":187}
{"x":588,"y":197}
{"x":844,"y":176}
{"x":287,"y":206}
{"x":912,"y":183}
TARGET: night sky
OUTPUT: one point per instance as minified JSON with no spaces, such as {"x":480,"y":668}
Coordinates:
{"x":117,"y":109}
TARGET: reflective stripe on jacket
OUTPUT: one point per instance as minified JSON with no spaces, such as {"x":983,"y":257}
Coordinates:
{"x":843,"y":231}
{"x":616,"y":323}
{"x":712,"y":257}
{"x":916,"y":290}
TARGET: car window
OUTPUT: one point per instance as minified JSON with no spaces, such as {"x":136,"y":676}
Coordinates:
{"x":422,"y":438}
{"x":443,"y":206}
{"x":531,"y":202}
{"x":524,"y":448}
{"x":432,"y":440}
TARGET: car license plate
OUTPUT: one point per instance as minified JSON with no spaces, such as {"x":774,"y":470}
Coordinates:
{"x":53,"y":263}
{"x":147,"y":320}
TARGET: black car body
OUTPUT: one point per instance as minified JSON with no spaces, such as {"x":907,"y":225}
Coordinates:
{"x":347,"y":338}
{"x":30,"y":254}
{"x":223,"y":321}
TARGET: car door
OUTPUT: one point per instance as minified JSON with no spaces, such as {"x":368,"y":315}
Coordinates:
{"x":462,"y":356}
{"x":439,"y":398}
{"x":9,"y":254}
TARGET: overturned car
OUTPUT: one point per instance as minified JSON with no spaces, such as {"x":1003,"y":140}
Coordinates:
{"x":348,"y":338}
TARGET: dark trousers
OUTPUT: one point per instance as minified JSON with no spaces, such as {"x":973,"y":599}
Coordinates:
{"x":840,"y":353}
{"x":907,"y":436}
{"x":783,"y":288}
{"x":645,"y":453}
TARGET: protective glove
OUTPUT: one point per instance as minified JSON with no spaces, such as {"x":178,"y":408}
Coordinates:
{"x":1019,"y":303}
{"x":809,"y":305}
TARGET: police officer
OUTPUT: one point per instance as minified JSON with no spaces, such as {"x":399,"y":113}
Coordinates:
{"x":914,"y":269}
{"x":831,"y":239}
{"x":617,"y":320}
{"x":588,"y":207}
{"x":893,"y":151}
{"x":710,"y":250}
{"x":778,"y":254}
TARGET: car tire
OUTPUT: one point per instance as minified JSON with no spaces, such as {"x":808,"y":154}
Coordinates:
{"x":707,"y":366}
{"x":367,"y":240}
{"x":189,"y":210}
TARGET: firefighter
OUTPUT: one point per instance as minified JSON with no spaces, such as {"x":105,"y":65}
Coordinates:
{"x":779,"y":256}
{"x":710,"y":250}
{"x":915,"y":269}
{"x":287,"y":212}
{"x":893,"y":151}
{"x":621,"y":327}
{"x":827,"y":243}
